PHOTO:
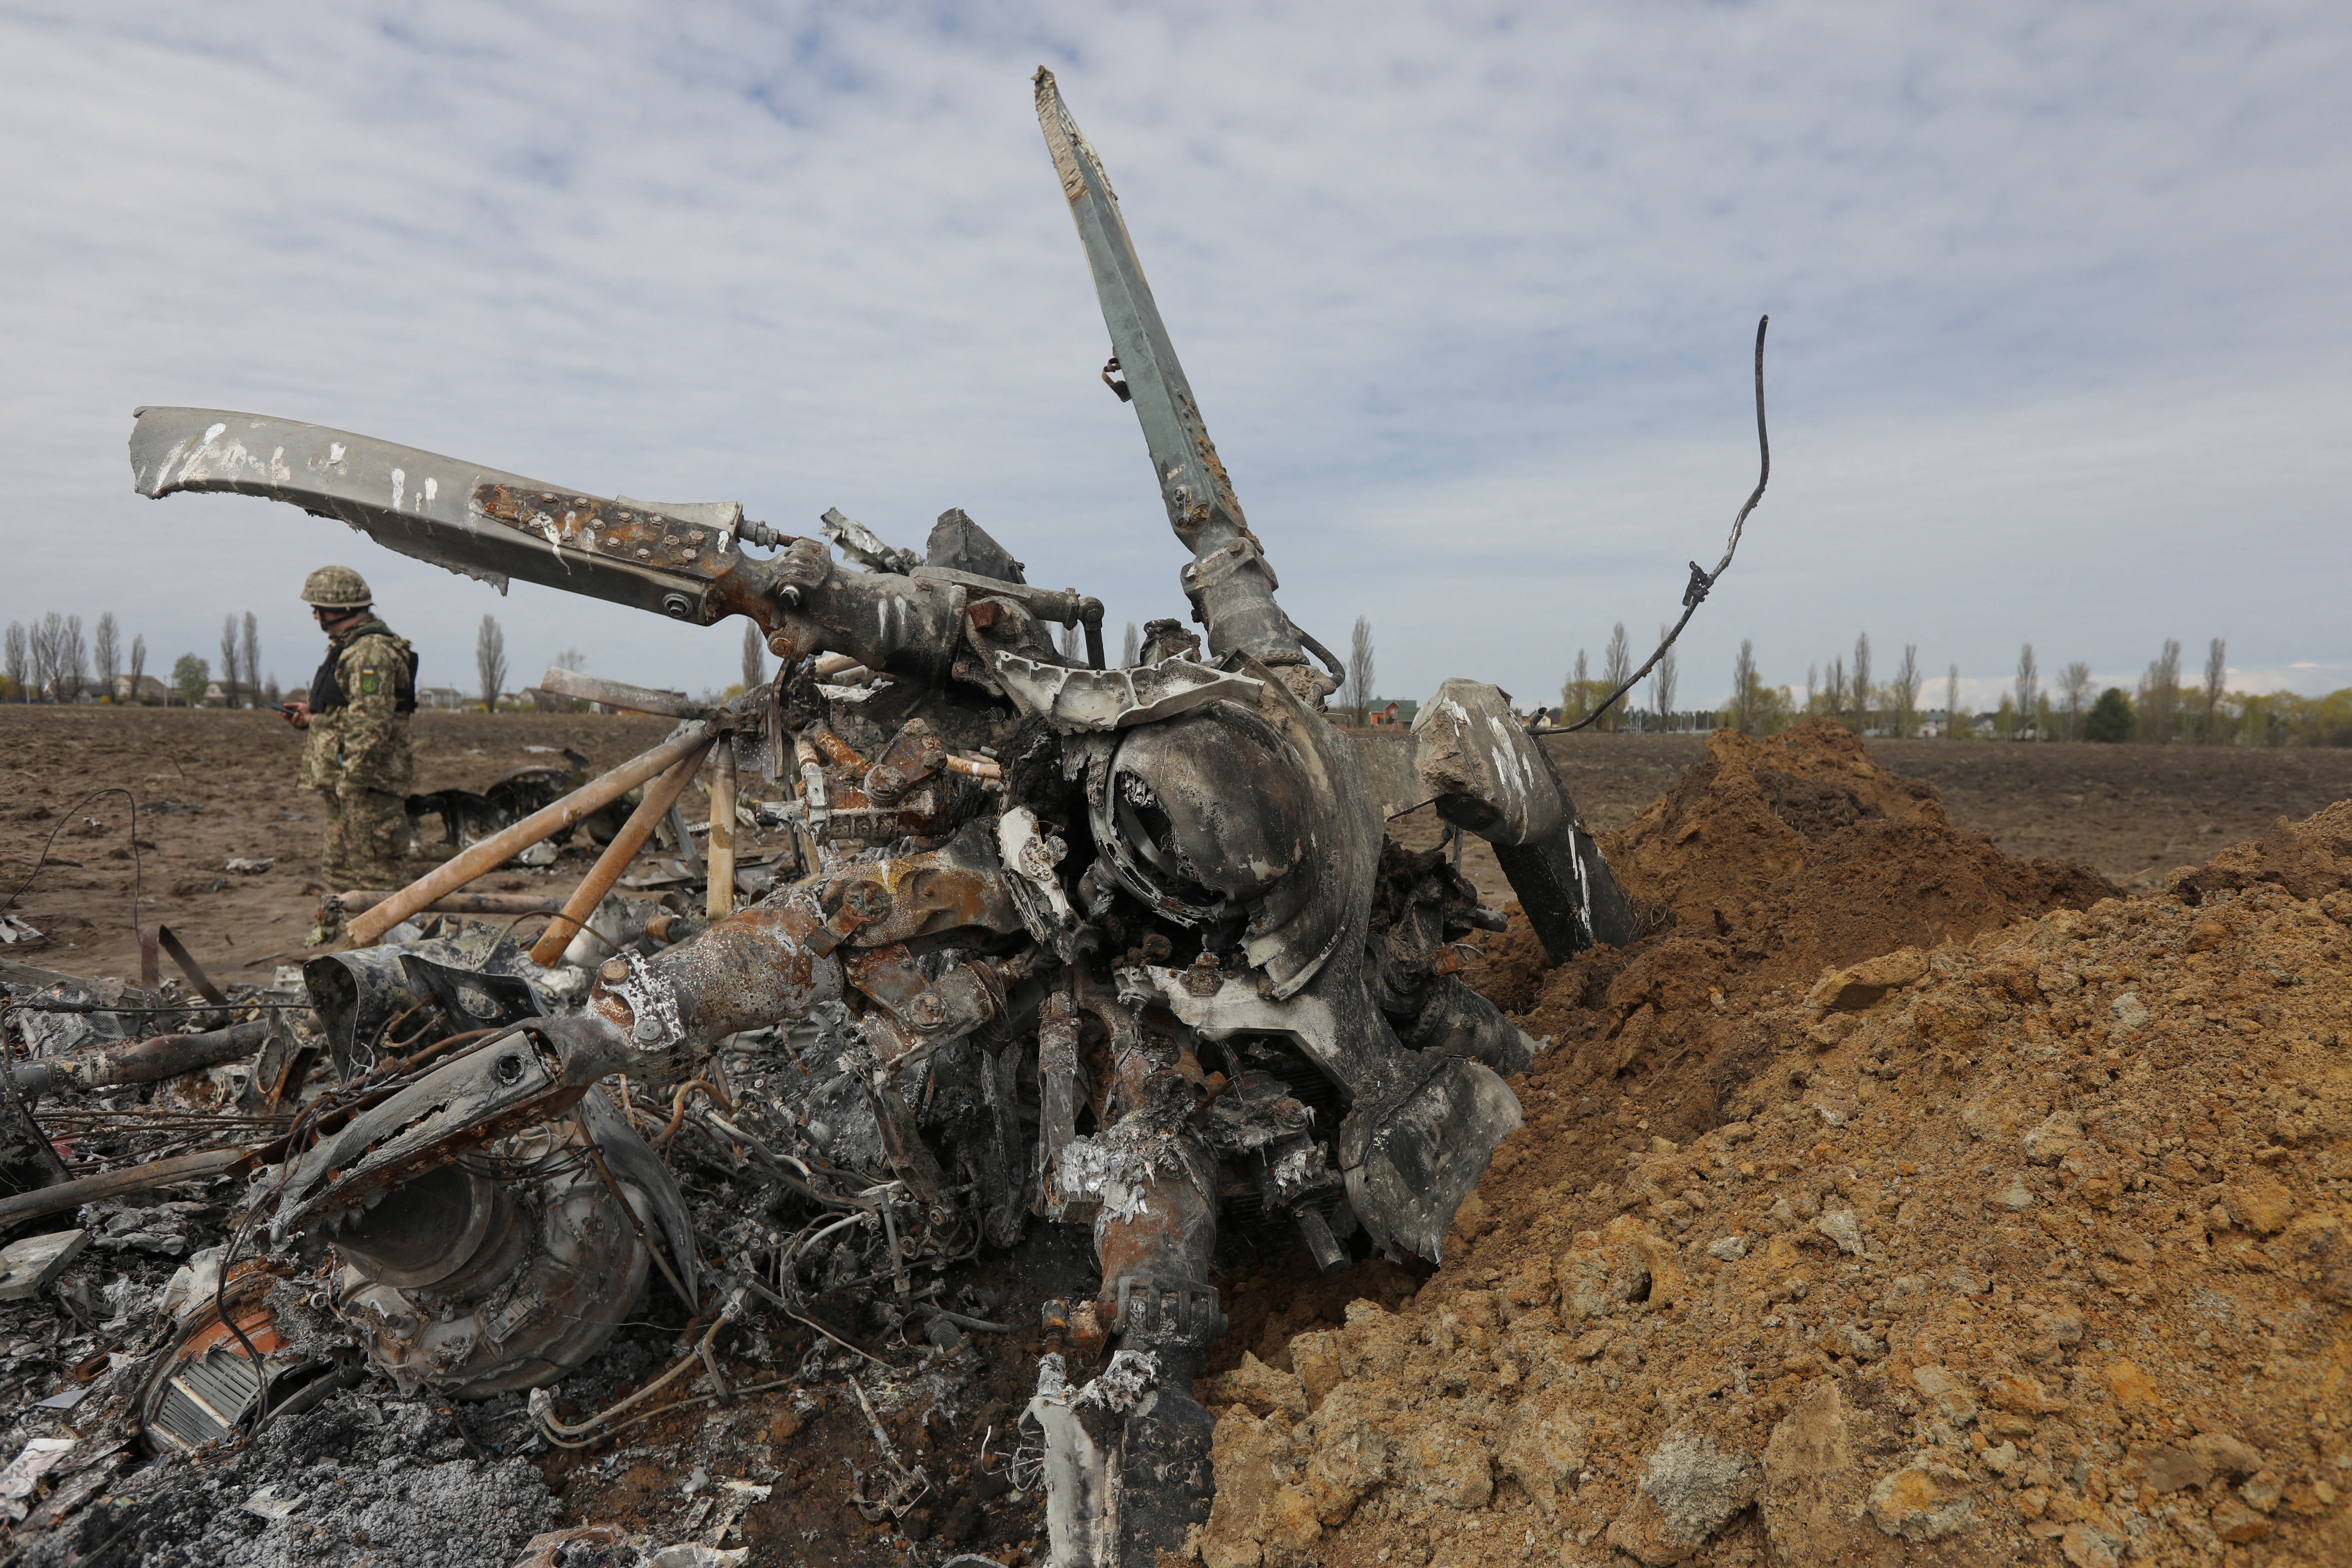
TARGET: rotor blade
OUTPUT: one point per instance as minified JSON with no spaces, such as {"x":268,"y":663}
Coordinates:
{"x":1230,"y":581}
{"x":479,"y":522}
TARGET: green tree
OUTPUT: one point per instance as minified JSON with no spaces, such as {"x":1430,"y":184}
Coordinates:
{"x":2110,"y":718}
{"x":189,"y":674}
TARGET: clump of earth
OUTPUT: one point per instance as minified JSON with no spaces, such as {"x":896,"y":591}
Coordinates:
{"x":1891,"y":1201}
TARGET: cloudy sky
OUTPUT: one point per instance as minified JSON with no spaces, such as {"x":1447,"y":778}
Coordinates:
{"x":2060,"y":345}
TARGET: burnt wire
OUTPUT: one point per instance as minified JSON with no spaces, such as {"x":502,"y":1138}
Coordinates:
{"x":138,"y":870}
{"x":1701,"y":581}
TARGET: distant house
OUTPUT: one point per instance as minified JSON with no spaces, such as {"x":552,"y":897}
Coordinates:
{"x":149,"y":689}
{"x":1392,"y":711}
{"x":441,"y":697}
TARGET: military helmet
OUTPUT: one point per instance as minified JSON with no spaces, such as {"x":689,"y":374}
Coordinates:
{"x":336,"y":588}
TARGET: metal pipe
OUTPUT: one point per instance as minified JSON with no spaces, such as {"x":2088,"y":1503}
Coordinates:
{"x":42,"y":1202}
{"x":143,"y":1061}
{"x":457,"y":903}
{"x":659,"y":797}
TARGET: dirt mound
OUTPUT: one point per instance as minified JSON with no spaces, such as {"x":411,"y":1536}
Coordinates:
{"x":1770,"y":862}
{"x":2033,"y":1248}
{"x":2310,"y":859}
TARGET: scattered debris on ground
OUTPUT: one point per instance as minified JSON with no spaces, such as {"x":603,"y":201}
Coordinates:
{"x":2026,"y":1240}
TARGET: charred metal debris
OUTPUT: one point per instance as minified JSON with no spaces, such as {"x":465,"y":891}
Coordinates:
{"x":1051,"y":944}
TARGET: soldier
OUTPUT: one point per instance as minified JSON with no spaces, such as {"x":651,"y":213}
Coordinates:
{"x":357,"y":716}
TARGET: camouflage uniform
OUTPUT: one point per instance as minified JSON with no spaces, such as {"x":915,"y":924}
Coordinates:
{"x":358,"y":757}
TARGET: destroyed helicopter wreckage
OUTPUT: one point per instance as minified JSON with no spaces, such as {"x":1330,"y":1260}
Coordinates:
{"x":1060,"y":942}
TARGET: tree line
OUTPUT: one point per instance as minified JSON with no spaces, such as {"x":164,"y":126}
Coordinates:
{"x":53,"y":660}
{"x":2162,"y":708}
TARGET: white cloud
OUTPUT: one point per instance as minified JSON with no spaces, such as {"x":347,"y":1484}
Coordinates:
{"x":2058,"y":352}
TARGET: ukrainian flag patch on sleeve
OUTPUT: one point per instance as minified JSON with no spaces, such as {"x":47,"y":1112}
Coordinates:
{"x":369,"y":680}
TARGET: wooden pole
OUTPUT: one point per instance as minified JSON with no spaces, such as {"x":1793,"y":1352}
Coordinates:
{"x":660,"y":795}
{"x":721,"y":902}
{"x":499,"y":849}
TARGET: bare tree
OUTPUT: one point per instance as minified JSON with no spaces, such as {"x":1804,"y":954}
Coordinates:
{"x":1860,"y":692}
{"x":106,"y":650}
{"x":72,"y":662}
{"x":2159,"y":695}
{"x":2217,"y":683}
{"x":229,"y":664}
{"x":755,"y":656}
{"x":270,"y":691}
{"x":1132,"y":648}
{"x":490,"y":661}
{"x":138,"y":663}
{"x":1616,"y":668}
{"x":1952,"y":704}
{"x":1574,"y":702}
{"x":2075,"y":696}
{"x":1834,"y":689}
{"x":1662,"y":685}
{"x":47,"y":652}
{"x":572,"y":659}
{"x":1813,"y":687}
{"x":2029,"y":685}
{"x":1906,"y":692}
{"x":249,"y":655}
{"x":1360,"y":670}
{"x":1743,"y":687}
{"x":20,"y":662}
{"x":1072,"y":649}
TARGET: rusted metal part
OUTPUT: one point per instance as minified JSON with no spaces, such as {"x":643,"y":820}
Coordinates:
{"x":209,"y":1383}
{"x":502,"y":1084}
{"x":922,"y":1013}
{"x":620,"y":694}
{"x":143,"y":1061}
{"x":914,"y":754}
{"x":460,"y":1281}
{"x":836,"y":750}
{"x":152,"y":937}
{"x":606,"y":529}
{"x":67,"y":1196}
{"x":911,"y":1159}
{"x":759,"y":966}
{"x":956,"y":885}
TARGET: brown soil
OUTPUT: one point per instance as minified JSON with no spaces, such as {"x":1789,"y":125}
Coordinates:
{"x":2131,"y":813}
{"x":1826,"y":1244}
{"x":2190,"y":1217}
{"x":239,"y":769}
